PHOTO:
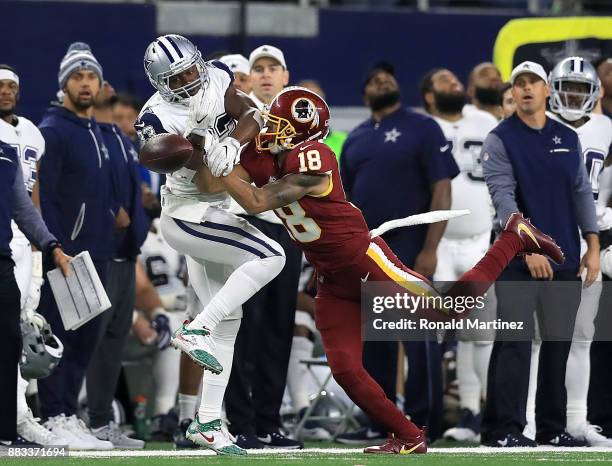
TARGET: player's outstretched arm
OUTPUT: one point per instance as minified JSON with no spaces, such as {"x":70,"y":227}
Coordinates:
{"x":238,"y":105}
{"x":274,"y":195}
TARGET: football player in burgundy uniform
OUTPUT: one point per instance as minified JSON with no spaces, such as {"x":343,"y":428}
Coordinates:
{"x":297,"y":176}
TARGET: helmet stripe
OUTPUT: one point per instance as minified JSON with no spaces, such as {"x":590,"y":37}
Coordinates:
{"x":176,"y":48}
{"x":166,"y":51}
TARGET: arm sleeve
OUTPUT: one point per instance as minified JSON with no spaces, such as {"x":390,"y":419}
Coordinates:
{"x":436,"y":154}
{"x":49,"y":176}
{"x":26,"y":216}
{"x":499,"y":176}
{"x":583,"y":199}
{"x":223,"y":66}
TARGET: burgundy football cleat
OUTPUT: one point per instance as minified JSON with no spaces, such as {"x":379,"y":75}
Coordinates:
{"x":534,"y":241}
{"x":397,"y":446}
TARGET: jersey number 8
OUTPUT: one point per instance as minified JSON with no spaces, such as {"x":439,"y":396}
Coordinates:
{"x":301,"y":228}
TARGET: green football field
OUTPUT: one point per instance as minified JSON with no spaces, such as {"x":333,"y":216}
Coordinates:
{"x":316,"y":454}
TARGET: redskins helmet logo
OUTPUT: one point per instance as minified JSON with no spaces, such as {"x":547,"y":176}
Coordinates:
{"x":303,"y":110}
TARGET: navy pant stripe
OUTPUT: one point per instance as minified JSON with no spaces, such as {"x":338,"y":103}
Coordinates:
{"x":218,"y":239}
{"x":241,"y":232}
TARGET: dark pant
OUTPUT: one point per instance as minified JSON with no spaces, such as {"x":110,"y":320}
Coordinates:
{"x":556,"y":303}
{"x":105,"y":366}
{"x":423,"y":386}
{"x":261,"y":355}
{"x":10,"y":348}
{"x":59,"y":392}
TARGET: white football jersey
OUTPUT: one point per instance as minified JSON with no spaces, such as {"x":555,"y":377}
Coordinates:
{"x":471,"y":110}
{"x":180,"y":196}
{"x":164,"y":267}
{"x":469,"y":190}
{"x":25,"y":137}
{"x":595,"y":139}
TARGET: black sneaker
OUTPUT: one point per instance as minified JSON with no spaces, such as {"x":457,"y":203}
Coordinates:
{"x":562,"y":439}
{"x":163,"y":427}
{"x":363,"y":436}
{"x":249,"y":442}
{"x":180,"y":441}
{"x":511,"y":440}
{"x":19,"y":442}
{"x":278,"y":440}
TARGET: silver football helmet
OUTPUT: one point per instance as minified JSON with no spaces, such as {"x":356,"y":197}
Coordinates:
{"x":42,"y":350}
{"x":168,"y":56}
{"x":566,"y":98}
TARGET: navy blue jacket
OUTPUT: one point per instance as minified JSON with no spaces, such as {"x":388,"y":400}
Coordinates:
{"x":388,"y":168}
{"x":541,"y":173}
{"x":124,"y":162}
{"x":77,"y":191}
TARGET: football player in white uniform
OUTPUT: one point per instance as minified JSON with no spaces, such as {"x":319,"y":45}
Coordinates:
{"x":574,"y":92}
{"x":464,"y":241}
{"x":198,"y":225}
{"x":25,"y":137}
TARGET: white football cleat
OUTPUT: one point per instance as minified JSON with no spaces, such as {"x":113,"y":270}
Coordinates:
{"x":78,"y":428}
{"x":58,"y":426}
{"x":199,"y":346}
{"x":592,"y":435}
{"x":213,"y":436}
{"x":31,"y":430}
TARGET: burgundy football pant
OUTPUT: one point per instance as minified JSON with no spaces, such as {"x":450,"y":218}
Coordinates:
{"x":338,"y":318}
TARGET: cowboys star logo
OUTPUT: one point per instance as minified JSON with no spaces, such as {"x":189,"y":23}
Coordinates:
{"x":303,"y":110}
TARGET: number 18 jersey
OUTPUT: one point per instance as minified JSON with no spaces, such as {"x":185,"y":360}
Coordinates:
{"x":330,"y":230}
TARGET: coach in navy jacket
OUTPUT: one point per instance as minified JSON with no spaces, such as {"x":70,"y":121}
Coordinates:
{"x":534,"y":164}
{"x":103,"y":372}
{"x":79,"y":204}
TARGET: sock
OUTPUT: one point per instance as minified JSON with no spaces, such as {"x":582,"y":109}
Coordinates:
{"x":243,"y":283}
{"x":476,"y":281}
{"x":297,"y":372}
{"x":187,"y":406}
{"x":482,"y":355}
{"x":469,"y":385}
{"x":166,"y":373}
{"x":577,"y":383}
{"x":22,"y":405}
{"x":533,"y":383}
{"x":214,"y":385}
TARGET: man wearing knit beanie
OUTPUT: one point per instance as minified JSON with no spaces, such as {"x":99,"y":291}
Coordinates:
{"x":77,"y":76}
{"x":79,"y":204}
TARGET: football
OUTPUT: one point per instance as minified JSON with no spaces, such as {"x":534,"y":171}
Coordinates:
{"x":165,"y":153}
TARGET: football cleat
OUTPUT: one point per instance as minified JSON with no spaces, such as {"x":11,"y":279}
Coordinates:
{"x":211,"y":435}
{"x":511,"y":441}
{"x":468,"y":429}
{"x":179,"y":436}
{"x":563,"y":439}
{"x":398,"y":446}
{"x":591,"y":434}
{"x":199,"y":346}
{"x":534,"y":241}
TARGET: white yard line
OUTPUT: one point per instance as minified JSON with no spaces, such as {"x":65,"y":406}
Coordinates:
{"x":330,"y":451}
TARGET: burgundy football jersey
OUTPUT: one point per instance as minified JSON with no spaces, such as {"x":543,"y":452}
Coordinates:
{"x":330,"y":230}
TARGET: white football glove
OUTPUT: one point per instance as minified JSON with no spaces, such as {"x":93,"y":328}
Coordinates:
{"x":198,"y":110}
{"x":604,"y":218}
{"x":606,"y":261}
{"x":223,"y":157}
{"x":36,"y":283}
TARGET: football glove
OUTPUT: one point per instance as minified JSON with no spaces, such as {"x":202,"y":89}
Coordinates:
{"x":223,"y":157}
{"x":161,"y":324}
